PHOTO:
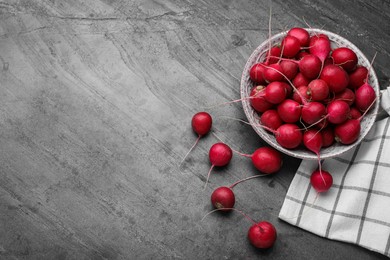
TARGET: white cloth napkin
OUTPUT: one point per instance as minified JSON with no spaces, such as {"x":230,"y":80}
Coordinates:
{"x":356,"y":209}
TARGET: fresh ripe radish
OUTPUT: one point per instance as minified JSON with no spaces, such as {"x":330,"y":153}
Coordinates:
{"x":321,"y":181}
{"x":354,"y":113}
{"x":271,"y":119}
{"x":313,"y":112}
{"x":364,"y":97}
{"x":256,"y":73}
{"x":289,"y":111}
{"x":320,"y":46}
{"x":274,"y":55}
{"x":322,"y":123}
{"x":223,"y":198}
{"x":337,"y":111}
{"x":310,"y":66}
{"x":288,"y":136}
{"x":267,"y":160}
{"x":347,"y":95}
{"x":302,"y":54}
{"x":290,"y":46}
{"x":345,"y":57}
{"x":347,"y":132}
{"x":290,"y":68}
{"x":257,"y":99}
{"x":318,"y":90}
{"x":300,"y":80}
{"x":275,"y":92}
{"x":358,"y":77}
{"x":301,"y":34}
{"x":262,"y":235}
{"x":336,"y":78}
{"x":201,"y":124}
{"x":327,"y":136}
{"x":312,"y":140}
{"x":220,"y":154}
{"x":273,"y":72}
{"x":302,"y":93}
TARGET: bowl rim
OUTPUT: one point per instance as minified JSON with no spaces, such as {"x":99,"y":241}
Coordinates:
{"x":334,"y":150}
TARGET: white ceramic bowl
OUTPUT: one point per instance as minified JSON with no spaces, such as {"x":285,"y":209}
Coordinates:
{"x":301,"y":152}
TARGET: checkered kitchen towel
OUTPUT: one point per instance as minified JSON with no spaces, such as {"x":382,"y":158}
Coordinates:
{"x":357,"y":207}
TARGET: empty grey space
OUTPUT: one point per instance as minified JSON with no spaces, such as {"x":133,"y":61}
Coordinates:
{"x":96,"y":100}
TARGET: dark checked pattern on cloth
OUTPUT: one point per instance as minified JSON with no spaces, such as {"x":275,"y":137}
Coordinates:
{"x":356,"y":208}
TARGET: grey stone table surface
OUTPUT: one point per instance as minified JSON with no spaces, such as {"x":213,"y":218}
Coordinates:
{"x":96,"y":99}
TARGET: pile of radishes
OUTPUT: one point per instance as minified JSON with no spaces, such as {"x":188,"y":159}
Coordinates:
{"x":308,"y":95}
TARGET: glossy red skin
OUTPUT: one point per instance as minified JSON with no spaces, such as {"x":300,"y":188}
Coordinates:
{"x":220,"y":154}
{"x":273,"y":72}
{"x":318,"y":90}
{"x":289,"y":111}
{"x":358,"y":77}
{"x":312,"y":140}
{"x":271,"y":119}
{"x":301,"y":34}
{"x":223,"y":197}
{"x":337,"y":111}
{"x":347,"y":95}
{"x":256,"y":73}
{"x":303,"y":91}
{"x":274,"y":55}
{"x":300,"y":80}
{"x":347,"y":132}
{"x":354,"y":113}
{"x":290,"y":68}
{"x":313,"y":112}
{"x":364,"y":97}
{"x":267,"y":160}
{"x":290,"y":46}
{"x":258,"y":101}
{"x":321,"y":182}
{"x":289,"y":136}
{"x":262,"y":235}
{"x":310,"y":66}
{"x":201,"y":123}
{"x":336,"y":78}
{"x":275,"y":92}
{"x":327,"y":137}
{"x":320,"y":46}
{"x":345,"y":57}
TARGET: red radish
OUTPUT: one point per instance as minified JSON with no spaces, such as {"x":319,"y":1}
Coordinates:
{"x":300,"y":80}
{"x":364,"y":97}
{"x":275,"y":92}
{"x":273,"y":72}
{"x":271,"y":119}
{"x":336,"y":78}
{"x":310,"y":66}
{"x":201,"y":124}
{"x":257,"y":100}
{"x":347,"y":95}
{"x":302,"y":92}
{"x":302,"y":54}
{"x":301,"y":34}
{"x":290,"y":68}
{"x":322,"y":123}
{"x":327,"y":137}
{"x":256,"y":73}
{"x":347,"y":132}
{"x":320,"y":46}
{"x":267,"y":160}
{"x":354,"y":113}
{"x":223,"y":198}
{"x":345,"y":57}
{"x":358,"y":77}
{"x":274,"y":55}
{"x":337,"y":111}
{"x":289,"y":136}
{"x":290,"y":46}
{"x":289,"y":111}
{"x":318,"y":90}
{"x":262,"y":235}
{"x":321,"y":181}
{"x":312,"y":140}
{"x":313,"y":112}
{"x":220,"y":154}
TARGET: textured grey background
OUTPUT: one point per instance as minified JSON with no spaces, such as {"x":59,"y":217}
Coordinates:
{"x":96,"y":99}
